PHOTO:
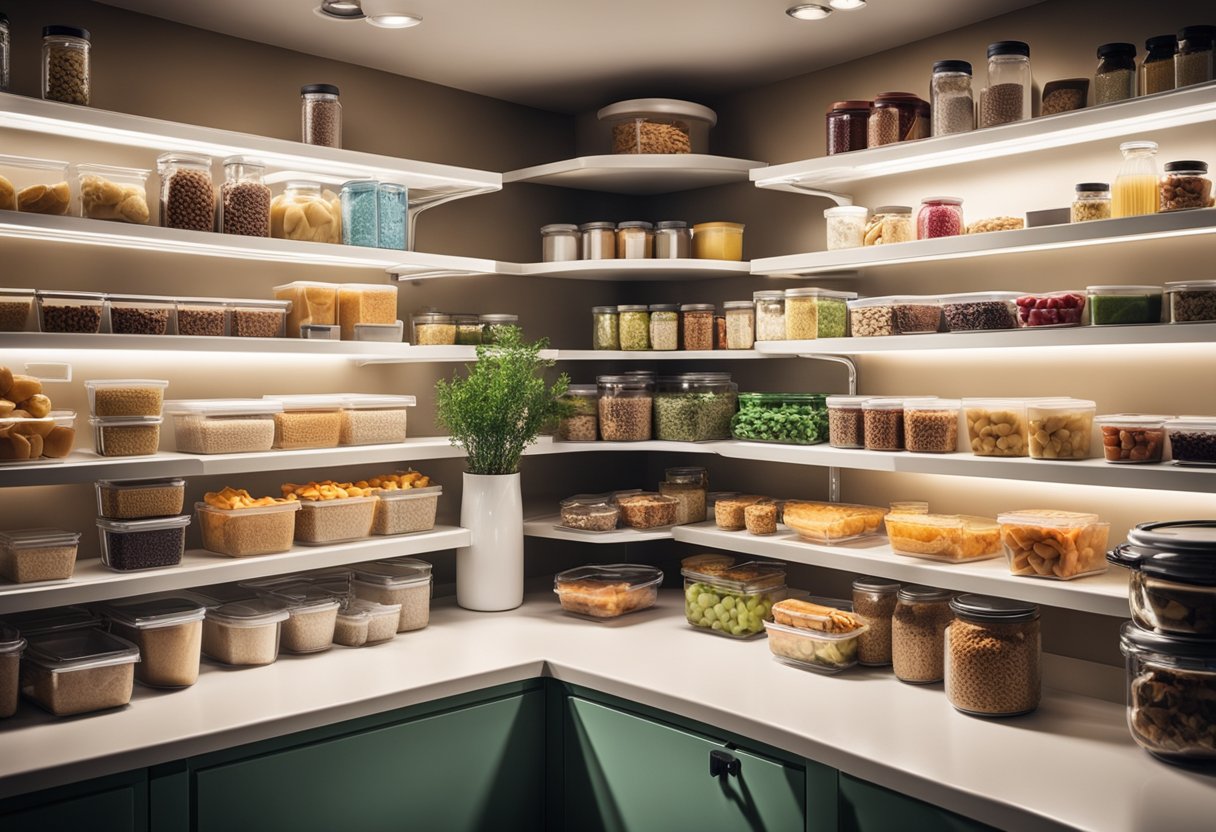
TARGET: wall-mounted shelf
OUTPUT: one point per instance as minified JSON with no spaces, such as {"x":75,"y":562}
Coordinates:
{"x":638,"y":174}
{"x":659,"y":355}
{"x":546,"y":527}
{"x":633,"y":270}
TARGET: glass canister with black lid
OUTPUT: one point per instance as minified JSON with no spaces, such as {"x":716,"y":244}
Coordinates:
{"x":953,"y":103}
{"x":1173,"y":576}
{"x":1194,"y":62}
{"x":1115,"y":78}
{"x":1157,"y":68}
{"x":1007,"y":97}
{"x":320,"y":115}
{"x":1171,"y":693}
{"x":992,"y":656}
{"x":65,"y":64}
{"x":847,"y":126}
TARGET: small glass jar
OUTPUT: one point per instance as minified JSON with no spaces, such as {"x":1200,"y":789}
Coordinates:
{"x":890,"y":224}
{"x":846,"y":226}
{"x":894,"y":118}
{"x":65,"y":64}
{"x":187,"y":198}
{"x":874,"y":600}
{"x":1115,"y":78}
{"x":492,"y":326}
{"x":583,"y":424}
{"x":1185,"y":185}
{"x":635,"y":240}
{"x":664,"y":326}
{"x":320,"y":115}
{"x":625,"y":405}
{"x":468,"y":330}
{"x":1193,"y":64}
{"x":740,"y":324}
{"x":392,"y":216}
{"x":698,"y":325}
{"x":992,"y":656}
{"x":359,"y":224}
{"x":770,"y":315}
{"x":689,"y":486}
{"x":634,"y":326}
{"x":918,"y":634}
{"x":847,"y":124}
{"x":244,"y":198}
{"x":1136,"y":188}
{"x":1007,"y":97}
{"x":559,"y":243}
{"x":939,"y":216}
{"x":1092,"y":202}
{"x":4,"y":49}
{"x":1157,"y":68}
{"x":605,"y":334}
{"x":433,"y":329}
{"x":672,"y":240}
{"x":952,"y":99}
{"x":599,"y":240}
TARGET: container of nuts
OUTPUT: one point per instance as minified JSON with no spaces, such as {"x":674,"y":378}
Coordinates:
{"x":1131,"y":438}
{"x":996,"y":427}
{"x":658,"y":125}
{"x":883,"y":420}
{"x":1173,"y":583}
{"x":931,"y":425}
{"x":870,"y":317}
{"x":1060,"y":428}
{"x":1192,"y":301}
{"x":223,"y":426}
{"x":138,"y":499}
{"x":126,"y":397}
{"x":75,"y":312}
{"x":133,"y":545}
{"x":202,"y":317}
{"x":1185,"y":185}
{"x":126,"y":435}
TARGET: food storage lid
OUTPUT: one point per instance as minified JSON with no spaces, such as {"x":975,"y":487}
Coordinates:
{"x":846,"y":211}
{"x":1198,"y":423}
{"x":884,"y":300}
{"x":706,"y":561}
{"x":851,"y":105}
{"x":812,"y":399}
{"x":941,"y":200}
{"x":652,"y":497}
{"x":881,"y":586}
{"x":686,"y":474}
{"x":93,"y":384}
{"x":745,"y":578}
{"x":355,"y":185}
{"x":372,"y":401}
{"x":272,"y":305}
{"x":294,"y":403}
{"x":1008,"y":47}
{"x":980,"y":297}
{"x":697,"y":307}
{"x":307,"y":284}
{"x":400,"y":572}
{"x":633,"y":307}
{"x":302,"y":597}
{"x":923,"y":594}
{"x":155,"y":613}
{"x":80,"y":650}
{"x":909,"y":506}
{"x":125,"y":421}
{"x":31,"y":163}
{"x":635,"y":224}
{"x":1189,"y":166}
{"x":18,"y":293}
{"x":431,"y":318}
{"x":665,"y":225}
{"x":371,"y":608}
{"x":1191,"y":285}
{"x":952,"y":66}
{"x":987,"y":608}
{"x":586,"y":500}
{"x":886,"y":403}
{"x":582,"y":390}
{"x":559,"y":228}
{"x":147,"y":525}
{"x":769,"y":294}
{"x":1166,"y":648}
{"x":1176,"y":550}
{"x":1123,"y":290}
{"x":112,"y":172}
{"x":65,"y":31}
{"x":1047,"y":517}
{"x":597,"y":226}
{"x":249,"y":511}
{"x":325,"y":89}
{"x":173,"y":157}
{"x":1128,"y":49}
{"x":738,"y":304}
{"x":631,"y":382}
{"x":1161,"y":42}
{"x":1092,"y":186}
{"x":203,"y":301}
{"x":10,"y":639}
{"x":37,"y":538}
{"x":847,"y":401}
{"x":643,"y":107}
{"x":351,"y":614}
{"x":222,"y":407}
{"x":55,"y":620}
{"x":717,"y":226}
{"x":1061,"y":404}
{"x":1132,"y":420}
{"x":634,"y":576}
{"x":409,"y":493}
{"x":603,"y":310}
{"x":321,"y":332}
{"x":932,"y":403}
{"x":945,"y":521}
{"x":141,"y":300}
{"x":253,"y":612}
{"x":812,"y":292}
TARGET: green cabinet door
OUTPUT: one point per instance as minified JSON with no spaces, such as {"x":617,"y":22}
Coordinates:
{"x":117,"y":810}
{"x":865,"y":807}
{"x":624,"y":773}
{"x":473,"y":768}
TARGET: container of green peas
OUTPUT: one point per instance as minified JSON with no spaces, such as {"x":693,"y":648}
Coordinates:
{"x":788,"y":418}
{"x":732,"y":600}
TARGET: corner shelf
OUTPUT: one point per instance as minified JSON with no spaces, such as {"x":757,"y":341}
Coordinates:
{"x":639,"y":174}
{"x":686,"y":268}
{"x":546,"y":527}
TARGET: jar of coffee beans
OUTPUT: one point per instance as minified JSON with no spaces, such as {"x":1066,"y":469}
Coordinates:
{"x":65,"y":64}
{"x":187,"y":198}
{"x":244,"y":198}
{"x":321,"y":115}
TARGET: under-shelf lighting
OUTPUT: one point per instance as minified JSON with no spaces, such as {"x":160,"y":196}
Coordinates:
{"x":846,"y":5}
{"x":808,"y":11}
{"x":394,"y":20}
{"x":340,"y":10}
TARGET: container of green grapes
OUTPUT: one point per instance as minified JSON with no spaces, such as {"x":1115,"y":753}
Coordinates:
{"x":732,"y":600}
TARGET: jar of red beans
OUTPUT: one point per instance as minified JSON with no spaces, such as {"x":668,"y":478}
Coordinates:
{"x":698,"y":321}
{"x":940,"y":216}
{"x":847,"y":125}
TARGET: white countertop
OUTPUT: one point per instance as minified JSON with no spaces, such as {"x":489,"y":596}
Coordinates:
{"x":1071,"y":764}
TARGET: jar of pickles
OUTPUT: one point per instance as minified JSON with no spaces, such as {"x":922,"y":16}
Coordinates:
{"x":634,"y":326}
{"x":599,"y":240}
{"x":939,"y":216}
{"x":740,"y":324}
{"x":770,"y":315}
{"x":672,"y":240}
{"x":604,"y":332}
{"x":664,"y":326}
{"x":634,"y":240}
{"x":698,"y":321}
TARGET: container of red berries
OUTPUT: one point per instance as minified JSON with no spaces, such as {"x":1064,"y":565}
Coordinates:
{"x":939,"y":216}
{"x":1066,"y":308}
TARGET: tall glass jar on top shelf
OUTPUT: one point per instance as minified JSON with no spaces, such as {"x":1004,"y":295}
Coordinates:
{"x":1115,"y":79}
{"x":244,"y":198}
{"x":1157,"y":68}
{"x":320,"y":115}
{"x":65,"y":64}
{"x":1007,"y":97}
{"x":1194,"y":62}
{"x":953,"y":104}
{"x":1135,"y":189}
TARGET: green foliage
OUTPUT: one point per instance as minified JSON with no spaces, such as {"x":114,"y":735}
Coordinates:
{"x":501,"y":404}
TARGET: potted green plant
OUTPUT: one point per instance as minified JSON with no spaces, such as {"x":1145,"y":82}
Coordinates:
{"x":495,"y":411}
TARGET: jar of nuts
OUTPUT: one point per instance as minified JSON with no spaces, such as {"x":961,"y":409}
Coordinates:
{"x":65,"y":64}
{"x":658,"y":125}
{"x":625,"y":405}
{"x":1060,"y":428}
{"x":1185,"y":185}
{"x":244,"y":198}
{"x":187,"y":198}
{"x":1092,"y":202}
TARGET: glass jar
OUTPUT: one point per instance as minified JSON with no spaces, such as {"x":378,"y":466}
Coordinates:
{"x":1173,"y":585}
{"x":952,"y":99}
{"x":493,"y":325}
{"x":432,"y":329}
{"x":1007,"y":97}
{"x":845,"y":226}
{"x":304,"y":212}
{"x":359,"y":223}
{"x":664,"y":326}
{"x":939,"y":216}
{"x":320,"y":115}
{"x":890,"y":224}
{"x":816,"y":313}
{"x":1092,"y":202}
{"x":992,"y":661}
{"x":874,"y":600}
{"x":244,"y":198}
{"x":918,"y":634}
{"x":392,"y":216}
{"x":626,"y":408}
{"x":1171,"y":685}
{"x":672,"y":239}
{"x":847,"y":124}
{"x":1115,"y":79}
{"x":694,"y":407}
{"x":582,"y":425}
{"x":894,"y":118}
{"x":559,"y":243}
{"x":698,"y":325}
{"x":740,"y":324}
{"x":634,"y":326}
{"x":634,"y":240}
{"x":1185,"y":185}
{"x":689,"y":486}
{"x":1193,"y":64}
{"x":1157,"y":68}
{"x":1135,"y":190}
{"x":770,"y":315}
{"x":599,"y":240}
{"x":468,"y":330}
{"x":65,"y":64}
{"x":4,"y":48}
{"x":187,"y":199}
{"x":719,"y":332}
{"x":605,"y":334}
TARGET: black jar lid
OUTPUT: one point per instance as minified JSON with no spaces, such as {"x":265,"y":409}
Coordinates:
{"x":880,"y":585}
{"x":3,"y":18}
{"x":1009,"y":47}
{"x":1093,"y":186}
{"x":1128,"y":49}
{"x":916,"y":593}
{"x":952,"y":66}
{"x":326,"y":89}
{"x":856,"y":105}
{"x":1161,"y":42}
{"x":989,"y":608}
{"x":1178,"y":550}
{"x":65,"y":31}
{"x":1179,"y":651}
{"x":1186,"y":165}
{"x":1203,"y":34}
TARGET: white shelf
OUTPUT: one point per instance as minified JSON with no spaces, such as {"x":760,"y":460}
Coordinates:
{"x":660,"y":355}
{"x":547,"y":445}
{"x":1126,"y":230}
{"x":1104,"y":594}
{"x":94,"y":582}
{"x":684,"y":268}
{"x":85,"y":466}
{"x":546,"y":527}
{"x":637,"y":174}
{"x":1192,"y":105}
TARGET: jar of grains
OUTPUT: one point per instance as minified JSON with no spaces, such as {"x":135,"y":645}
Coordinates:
{"x":634,"y":240}
{"x":244,"y":198}
{"x":664,"y":326}
{"x":846,"y":226}
{"x":992,"y":656}
{"x":1185,"y":185}
{"x":433,"y":329}
{"x":894,"y":118}
{"x":890,"y":224}
{"x":883,"y":424}
{"x":939,"y":216}
{"x":740,"y":324}
{"x":1115,"y":78}
{"x":770,"y":315}
{"x":582,"y":425}
{"x":694,"y":407}
{"x":358,"y":198}
{"x":559,"y":243}
{"x":918,"y":634}
{"x":1157,"y":68}
{"x":698,"y":321}
{"x":625,"y":404}
{"x":689,"y":486}
{"x":816,"y":313}
{"x":874,"y":600}
{"x":1193,"y":64}
{"x":599,"y":240}
{"x":65,"y":64}
{"x":604,"y":332}
{"x":1007,"y":97}
{"x":953,"y":101}
{"x":672,"y":239}
{"x":931,"y":425}
{"x":187,"y":199}
{"x":320,"y":115}
{"x":1092,"y":202}
{"x":846,"y":423}
{"x":634,"y":326}
{"x":847,"y":124}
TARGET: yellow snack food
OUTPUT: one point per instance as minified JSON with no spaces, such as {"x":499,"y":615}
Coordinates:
{"x":8,"y":195}
{"x":831,"y":522}
{"x":952,"y":537}
{"x":1054,"y":544}
{"x":806,"y":615}
{"x":237,"y":498}
{"x":22,"y":388}
{"x":45,"y":199}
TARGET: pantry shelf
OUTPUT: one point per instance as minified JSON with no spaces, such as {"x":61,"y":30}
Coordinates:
{"x":683,"y":268}
{"x":638,"y":173}
{"x":359,"y":351}
{"x":94,"y":582}
{"x":661,"y":355}
{"x":1104,"y":594}
{"x":546,"y":527}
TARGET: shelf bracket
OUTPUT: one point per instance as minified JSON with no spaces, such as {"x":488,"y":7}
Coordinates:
{"x":417,"y":206}
{"x":839,"y":199}
{"x":851,"y":366}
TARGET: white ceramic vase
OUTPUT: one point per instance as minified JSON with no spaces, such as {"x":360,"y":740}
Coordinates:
{"x":490,"y":571}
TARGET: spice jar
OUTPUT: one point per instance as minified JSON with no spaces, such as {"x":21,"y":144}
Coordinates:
{"x":874,"y":599}
{"x":1115,"y":79}
{"x":493,"y":325}
{"x":846,"y":226}
{"x":1092,"y":202}
{"x":1007,"y":97}
{"x":187,"y":199}
{"x":599,"y":240}
{"x":939,"y":216}
{"x":883,"y":424}
{"x":4,"y":48}
{"x":770,"y":315}
{"x":664,"y":326}
{"x":392,"y":215}
{"x":950,"y":93}
{"x":320,"y":115}
{"x":1193,"y":64}
{"x":890,"y":224}
{"x":583,"y":424}
{"x":359,"y":223}
{"x":65,"y":64}
{"x":433,"y":329}
{"x":604,"y":332}
{"x":1157,"y":68}
{"x":894,"y":118}
{"x":634,"y":326}
{"x":559,"y":243}
{"x":634,"y":240}
{"x":1135,"y":190}
{"x":698,"y":324}
{"x":244,"y":198}
{"x":992,"y":650}
{"x":740,"y":324}
{"x":918,"y":629}
{"x":672,"y":239}
{"x":1185,"y":185}
{"x":847,"y":124}
{"x":689,"y":486}
{"x":625,"y":405}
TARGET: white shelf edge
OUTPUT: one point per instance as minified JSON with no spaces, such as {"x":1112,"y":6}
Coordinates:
{"x":682,"y":268}
{"x":545,"y":527}
{"x":661,"y":355}
{"x":630,"y":173}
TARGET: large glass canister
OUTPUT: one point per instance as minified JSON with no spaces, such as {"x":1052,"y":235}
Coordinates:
{"x":770,"y":315}
{"x":392,"y":216}
{"x":1007,"y":97}
{"x":952,"y":100}
{"x":740,"y":324}
{"x":65,"y":64}
{"x":694,"y":407}
{"x":320,"y":115}
{"x":634,"y":240}
{"x":187,"y":198}
{"x":1115,"y":78}
{"x":1193,"y":64}
{"x":939,"y":216}
{"x":1157,"y":68}
{"x":664,"y":326}
{"x":304,"y":212}
{"x":993,"y":650}
{"x":244,"y":198}
{"x":559,"y":243}
{"x":1135,"y":189}
{"x":625,"y":405}
{"x":634,"y":326}
{"x":582,"y":423}
{"x":359,"y":223}
{"x":672,"y":239}
{"x":1185,"y":185}
{"x":599,"y":240}
{"x":847,"y":125}
{"x":605,"y":334}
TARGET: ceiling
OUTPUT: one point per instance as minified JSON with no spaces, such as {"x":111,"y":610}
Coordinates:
{"x":577,"y":55}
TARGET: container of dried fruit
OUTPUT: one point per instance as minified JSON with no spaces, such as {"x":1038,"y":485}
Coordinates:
{"x":832,"y":523}
{"x":312,"y":302}
{"x":75,"y":312}
{"x":126,"y":397}
{"x":35,"y":555}
{"x":917,"y":314}
{"x":134,"y":545}
{"x":16,"y":309}
{"x":169,"y":634}
{"x":244,"y":633}
{"x":1060,"y":428}
{"x":1063,"y":308}
{"x":954,"y":538}
{"x":79,"y":671}
{"x":607,"y":590}
{"x":365,"y":303}
{"x":247,"y":532}
{"x":1173,"y":575}
{"x":1192,"y":441}
{"x":931,"y":425}
{"x":1132,"y":438}
{"x":113,"y":193}
{"x":992,"y":657}
{"x":735,"y":601}
{"x":223,"y":426}
{"x":12,"y":645}
{"x":996,"y":427}
{"x":406,"y":510}
{"x":403,"y":581}
{"x":321,"y":522}
{"x":312,"y":615}
{"x":1061,"y":545}
{"x":657,"y":125}
{"x":648,"y":510}
{"x":1191,"y":301}
{"x":374,"y":420}
{"x":307,"y":422}
{"x":34,"y":186}
{"x":818,"y":634}
{"x":980,"y":311}
{"x":126,"y":435}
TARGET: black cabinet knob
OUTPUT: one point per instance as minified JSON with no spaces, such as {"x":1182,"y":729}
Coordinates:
{"x":723,"y":764}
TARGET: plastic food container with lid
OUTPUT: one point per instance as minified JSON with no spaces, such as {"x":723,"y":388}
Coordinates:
{"x":16,"y":309}
{"x":589,"y":513}
{"x":492,"y":326}
{"x":992,"y":658}
{"x":373,"y":419}
{"x":407,"y":510}
{"x":634,"y":240}
{"x":57,"y":620}
{"x":608,"y":590}
{"x":27,"y":439}
{"x":126,"y":397}
{"x":39,"y":186}
{"x":559,"y":242}
{"x":223,"y":426}
{"x":74,"y":312}
{"x":598,"y":240}
{"x":307,"y":422}
{"x":113,"y":193}
{"x":1060,"y":428}
{"x":694,"y":407}
{"x":365,"y":303}
{"x":845,"y":226}
{"x":819,"y":634}
{"x":717,"y":241}
{"x":1063,"y":308}
{"x":977,"y":311}
{"x":788,"y":418}
{"x":433,"y":329}
{"x":1184,"y":186}
{"x":321,"y":522}
{"x":351,"y":626}
{"x":1124,"y":304}
{"x":931,"y":425}
{"x":202,"y":317}
{"x":816,"y":313}
{"x":846,"y":422}
{"x":246,"y":532}
{"x":732,"y":601}
{"x":11,"y":647}
{"x":311,"y":303}
{"x":132,"y":545}
{"x":1061,"y":545}
{"x":625,"y":405}
{"x":740,"y":324}
{"x":187,"y":194}
{"x":403,"y":581}
{"x":871,"y":317}
{"x":1192,"y":441}
{"x":1171,"y":685}
{"x":658,"y":125}
{"x":126,"y":435}
{"x":78,"y":671}
{"x":770,"y":315}
{"x":874,"y":602}
{"x":1173,"y":575}
{"x":382,"y":619}
{"x":917,"y":314}
{"x":169,"y":634}
{"x":312,"y":616}
{"x":244,"y":633}
{"x":647,"y":510}
{"x":304,"y":212}
{"x":257,"y":318}
{"x":831,"y":523}
{"x":140,"y":314}
{"x":672,"y":240}
{"x":1131,"y":438}
{"x":954,"y":538}
{"x":1192,"y":301}
{"x":996,"y":427}
{"x":37,"y":555}
{"x":883,"y":420}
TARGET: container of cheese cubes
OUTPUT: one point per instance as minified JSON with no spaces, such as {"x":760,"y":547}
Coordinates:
{"x":1060,"y":545}
{"x":953,"y":538}
{"x":818,"y":634}
{"x":732,"y":599}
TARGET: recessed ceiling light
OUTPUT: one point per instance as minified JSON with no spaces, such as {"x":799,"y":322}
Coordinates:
{"x":808,"y":11}
{"x":394,"y":20}
{"x":846,"y":5}
{"x":340,"y":9}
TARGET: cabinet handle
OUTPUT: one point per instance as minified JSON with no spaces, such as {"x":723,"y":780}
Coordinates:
{"x":722,"y":764}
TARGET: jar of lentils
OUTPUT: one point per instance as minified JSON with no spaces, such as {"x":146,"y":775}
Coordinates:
{"x":770,"y":315}
{"x":992,"y":652}
{"x":599,"y":240}
{"x":320,"y":115}
{"x":604,"y":332}
{"x":874,"y":600}
{"x":672,"y":239}
{"x":65,"y":64}
{"x":698,"y":320}
{"x":187,"y":198}
{"x":918,"y":634}
{"x":634,"y":240}
{"x":740,"y":324}
{"x":634,"y":326}
{"x":626,"y":407}
{"x":939,"y":216}
{"x":664,"y":326}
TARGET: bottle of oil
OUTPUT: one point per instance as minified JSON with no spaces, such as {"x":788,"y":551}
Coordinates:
{"x":1135,"y":190}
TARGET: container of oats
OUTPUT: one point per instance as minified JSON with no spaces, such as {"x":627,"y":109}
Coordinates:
{"x":404,"y":581}
{"x":244,"y":633}
{"x":36,"y":555}
{"x":321,"y":522}
{"x":223,"y":426}
{"x":382,"y":621}
{"x":79,"y":671}
{"x":248,"y":532}
{"x":406,"y":510}
{"x":374,"y":420}
{"x":137,"y":499}
{"x":126,"y":397}
{"x":312,"y":617}
{"x":11,"y":647}
{"x":169,"y":634}
{"x":307,"y":422}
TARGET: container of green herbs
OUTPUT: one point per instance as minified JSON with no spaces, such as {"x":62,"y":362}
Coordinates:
{"x":694,"y":407}
{"x":789,"y":418}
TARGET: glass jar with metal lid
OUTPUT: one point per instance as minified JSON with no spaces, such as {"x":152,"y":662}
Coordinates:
{"x":689,"y":486}
{"x":65,"y":64}
{"x":1157,"y":68}
{"x":433,"y":329}
{"x":918,"y":629}
{"x":320,"y":115}
{"x":1092,"y":202}
{"x":698,"y":324}
{"x":847,"y":126}
{"x":303,"y":211}
{"x":468,"y":329}
{"x":1193,"y":64}
{"x":992,"y":653}
{"x":1171,"y":688}
{"x":740,"y":324}
{"x":894,"y":118}
{"x":635,"y":240}
{"x":599,"y":240}
{"x":672,"y":239}
{"x":874,"y":600}
{"x":664,"y":326}
{"x":559,"y":243}
{"x":1115,"y":78}
{"x":625,"y":407}
{"x":952,"y":99}
{"x":940,"y":216}
{"x":605,"y":333}
{"x":582,"y":424}
{"x":634,"y":326}
{"x":694,"y":407}
{"x":770,"y":315}
{"x":492,"y":326}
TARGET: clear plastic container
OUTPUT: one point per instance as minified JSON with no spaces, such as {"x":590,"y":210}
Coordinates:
{"x":320,"y":115}
{"x":1173,"y":576}
{"x":1129,"y":438}
{"x":1192,"y":441}
{"x":37,"y":555}
{"x":135,"y":545}
{"x":883,"y":420}
{"x":244,"y":633}
{"x":75,"y":312}
{"x":893,"y":118}
{"x":12,"y":645}
{"x":559,"y":243}
{"x":770,"y":315}
{"x":917,"y":314}
{"x":688,"y":485}
{"x":931,"y":425}
{"x":1171,"y":683}
{"x":382,"y":619}
{"x":307,"y":422}
{"x":202,"y":317}
{"x":140,"y":314}
{"x":953,"y":538}
{"x":126,"y":435}
{"x":889,"y":224}
{"x":365,"y":303}
{"x":658,"y":125}
{"x":1007,"y":97}
{"x":1157,"y":69}
{"x":433,"y":329}
{"x":492,"y":326}
{"x":846,"y":422}
{"x":1062,"y":545}
{"x":582,"y":425}
{"x":607,"y":590}
{"x":169,"y":634}
{"x":1063,"y":308}
{"x":126,"y":397}
{"x":832,"y":523}
{"x":993,"y":649}
{"x":1115,"y":77}
{"x":871,"y":317}
{"x":845,"y":226}
{"x":311,"y":303}
{"x":1060,"y":428}
{"x":980,"y":311}
{"x":407,"y":510}
{"x":821,"y":652}
{"x":351,"y":626}
{"x":404,"y":581}
{"x":359,"y":217}
{"x":787,"y":418}
{"x":244,"y":198}
{"x":732,"y":601}
{"x":634,"y":240}
{"x":379,"y":333}
{"x":625,"y":405}
{"x":816,"y":313}
{"x":312,"y":617}
{"x":78,"y":672}
{"x":322,"y":522}
{"x":304,"y":212}
{"x":222,"y":426}
{"x":65,"y":64}
{"x":940,"y":216}
{"x":1136,"y":190}
{"x":847,"y":126}
{"x":672,"y":240}
{"x":257,"y":319}
{"x":996,"y":427}
{"x":53,"y":621}
{"x":740,"y":324}
{"x":598,"y":240}
{"x":247,"y":532}
{"x":605,"y":331}
{"x":187,"y":196}
{"x":16,"y":309}
{"x":1185,"y":185}
{"x":590,"y":513}
{"x":113,"y":193}
{"x":647,"y":510}
{"x":717,"y":241}
{"x":1116,"y":305}
{"x":25,"y":439}
{"x":37,"y":186}
{"x":918,"y":630}
{"x":951,"y":98}
{"x":694,"y":407}
{"x":140,"y":499}
{"x":874,"y":601}
{"x":373,"y":419}
{"x":1194,"y":62}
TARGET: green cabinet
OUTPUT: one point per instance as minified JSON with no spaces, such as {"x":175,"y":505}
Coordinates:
{"x":112,"y":804}
{"x":865,"y":807}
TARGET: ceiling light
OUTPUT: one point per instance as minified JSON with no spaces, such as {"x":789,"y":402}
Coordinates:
{"x":394,"y":20}
{"x":846,"y":5}
{"x":808,"y":11}
{"x":340,"y":9}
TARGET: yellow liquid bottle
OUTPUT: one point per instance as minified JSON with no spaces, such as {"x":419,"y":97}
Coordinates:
{"x":1135,"y":190}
